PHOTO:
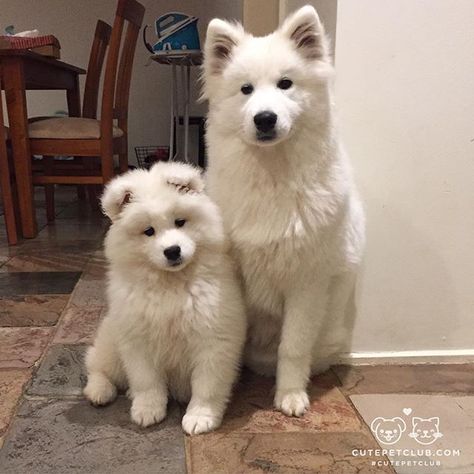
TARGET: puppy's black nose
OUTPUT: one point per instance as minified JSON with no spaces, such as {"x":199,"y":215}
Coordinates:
{"x":265,"y":121}
{"x":172,"y":253}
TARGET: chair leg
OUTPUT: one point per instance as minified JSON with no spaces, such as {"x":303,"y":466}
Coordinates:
{"x":7,"y":196}
{"x":81,"y":193}
{"x":107,"y":164}
{"x":123,"y":162}
{"x":49,"y":189}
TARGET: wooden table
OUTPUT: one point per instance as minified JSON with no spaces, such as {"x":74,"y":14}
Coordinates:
{"x":22,"y":70}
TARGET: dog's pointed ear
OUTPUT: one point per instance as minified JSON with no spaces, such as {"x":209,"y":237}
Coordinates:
{"x":183,"y":177}
{"x":221,"y":38}
{"x":306,"y":31}
{"x":116,"y":196}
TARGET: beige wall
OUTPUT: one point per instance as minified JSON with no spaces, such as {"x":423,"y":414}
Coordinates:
{"x":405,"y":92}
{"x":260,"y":17}
{"x":73,"y":22}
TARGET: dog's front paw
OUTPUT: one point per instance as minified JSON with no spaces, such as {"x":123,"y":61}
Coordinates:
{"x":148,"y":408}
{"x":201,"y":420}
{"x":292,"y":402}
{"x":100,"y":390}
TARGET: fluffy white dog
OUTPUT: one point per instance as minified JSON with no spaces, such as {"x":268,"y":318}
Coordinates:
{"x":279,"y":173}
{"x":176,"y":321}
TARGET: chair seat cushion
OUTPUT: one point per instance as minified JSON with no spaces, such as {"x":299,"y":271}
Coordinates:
{"x":68,"y":128}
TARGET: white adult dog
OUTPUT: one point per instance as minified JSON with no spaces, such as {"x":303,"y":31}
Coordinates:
{"x":279,"y":173}
{"x":176,"y":321}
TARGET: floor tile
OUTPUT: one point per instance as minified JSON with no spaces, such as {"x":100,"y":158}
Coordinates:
{"x":81,"y":212}
{"x":37,"y":283}
{"x":58,"y":437}
{"x":285,"y":453}
{"x":50,"y":261}
{"x":61,"y":373}
{"x":31,"y":310}
{"x":452,"y":416}
{"x":251,"y":409}
{"x":89,"y":294}
{"x":78,"y":325}
{"x":63,"y":230}
{"x":444,"y":378}
{"x":22,"y":347}
{"x":11,"y":386}
{"x":96,"y":267}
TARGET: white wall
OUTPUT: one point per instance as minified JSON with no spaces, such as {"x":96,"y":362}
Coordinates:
{"x":405,"y":92}
{"x":73,"y":22}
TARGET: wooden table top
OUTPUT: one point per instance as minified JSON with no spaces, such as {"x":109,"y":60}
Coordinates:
{"x":28,"y":55}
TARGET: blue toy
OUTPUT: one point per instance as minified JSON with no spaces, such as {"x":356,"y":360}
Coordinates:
{"x":176,"y":32}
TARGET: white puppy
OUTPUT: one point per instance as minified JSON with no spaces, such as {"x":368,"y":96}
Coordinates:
{"x":279,"y":173}
{"x":175,"y":323}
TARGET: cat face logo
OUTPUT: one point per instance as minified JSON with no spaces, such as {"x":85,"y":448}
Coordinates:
{"x":425,"y":430}
{"x":388,"y":430}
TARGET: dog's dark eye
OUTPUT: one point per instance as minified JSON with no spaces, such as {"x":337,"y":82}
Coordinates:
{"x":179,"y":222}
{"x":246,"y":89}
{"x":149,"y":231}
{"x":284,"y":83}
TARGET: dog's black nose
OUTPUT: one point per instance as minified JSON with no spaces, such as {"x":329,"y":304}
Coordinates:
{"x":265,"y":121}
{"x":172,"y":253}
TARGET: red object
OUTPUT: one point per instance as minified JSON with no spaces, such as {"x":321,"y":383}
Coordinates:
{"x":16,"y":42}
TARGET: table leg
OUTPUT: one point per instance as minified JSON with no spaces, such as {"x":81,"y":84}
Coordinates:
{"x":14,"y":84}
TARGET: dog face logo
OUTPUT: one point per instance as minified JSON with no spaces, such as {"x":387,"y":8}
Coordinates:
{"x":388,"y":430}
{"x":425,"y":430}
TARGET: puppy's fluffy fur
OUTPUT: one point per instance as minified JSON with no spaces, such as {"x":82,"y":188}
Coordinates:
{"x":173,"y":327}
{"x":286,"y":194}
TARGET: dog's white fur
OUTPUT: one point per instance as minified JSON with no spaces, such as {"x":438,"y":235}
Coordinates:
{"x":169,"y":329}
{"x":289,"y":204}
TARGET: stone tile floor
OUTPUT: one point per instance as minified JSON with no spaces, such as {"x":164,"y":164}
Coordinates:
{"x":51,"y":299}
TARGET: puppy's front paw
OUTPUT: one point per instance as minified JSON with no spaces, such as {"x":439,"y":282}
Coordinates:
{"x":201,"y":420}
{"x":100,"y":390}
{"x":292,"y":402}
{"x":148,"y":408}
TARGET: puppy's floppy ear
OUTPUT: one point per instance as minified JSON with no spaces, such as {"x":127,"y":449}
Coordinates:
{"x":116,"y":196}
{"x":374,"y":426}
{"x":183,"y":177}
{"x":221,"y":38}
{"x":305,"y":30}
{"x":401,"y":423}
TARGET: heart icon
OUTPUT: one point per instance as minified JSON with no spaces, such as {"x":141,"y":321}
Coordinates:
{"x":407,"y":411}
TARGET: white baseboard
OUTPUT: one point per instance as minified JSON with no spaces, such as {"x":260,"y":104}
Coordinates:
{"x":449,"y":356}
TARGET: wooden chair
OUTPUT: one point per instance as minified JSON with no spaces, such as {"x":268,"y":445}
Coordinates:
{"x":86,"y":136}
{"x":89,"y":110}
{"x":5,"y":183}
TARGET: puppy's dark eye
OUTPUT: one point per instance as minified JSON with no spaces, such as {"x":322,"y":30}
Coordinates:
{"x":179,"y":222}
{"x":246,"y":89}
{"x":149,"y":231}
{"x":284,"y":83}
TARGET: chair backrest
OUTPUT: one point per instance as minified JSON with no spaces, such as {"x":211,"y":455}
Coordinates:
{"x":94,"y":69}
{"x":118,"y":70}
